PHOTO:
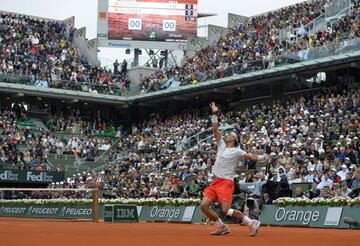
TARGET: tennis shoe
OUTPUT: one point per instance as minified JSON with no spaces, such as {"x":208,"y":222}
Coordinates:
{"x":254,"y":227}
{"x":221,"y":230}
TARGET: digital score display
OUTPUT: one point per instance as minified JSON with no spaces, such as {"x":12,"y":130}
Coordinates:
{"x":153,"y":20}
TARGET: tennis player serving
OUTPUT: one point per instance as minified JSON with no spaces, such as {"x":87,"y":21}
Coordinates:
{"x":221,"y":189}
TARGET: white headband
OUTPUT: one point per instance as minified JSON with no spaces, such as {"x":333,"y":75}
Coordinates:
{"x":235,"y":135}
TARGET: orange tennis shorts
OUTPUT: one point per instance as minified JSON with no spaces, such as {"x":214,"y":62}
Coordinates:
{"x":220,"y":190}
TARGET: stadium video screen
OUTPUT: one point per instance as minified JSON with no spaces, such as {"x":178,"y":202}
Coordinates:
{"x":152,"y":20}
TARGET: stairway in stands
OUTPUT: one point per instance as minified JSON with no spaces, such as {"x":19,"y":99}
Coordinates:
{"x":40,"y":124}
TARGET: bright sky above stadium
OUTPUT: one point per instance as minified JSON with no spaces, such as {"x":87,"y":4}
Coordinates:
{"x":85,"y":12}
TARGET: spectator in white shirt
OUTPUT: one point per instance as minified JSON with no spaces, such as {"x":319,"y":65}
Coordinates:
{"x":311,"y":164}
{"x":200,"y":165}
{"x":318,"y":164}
{"x":326,"y":181}
{"x":242,"y":177}
{"x":310,"y":177}
{"x":118,"y":133}
{"x":342,"y":173}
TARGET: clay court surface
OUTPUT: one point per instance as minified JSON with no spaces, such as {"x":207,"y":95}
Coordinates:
{"x":64,"y":233}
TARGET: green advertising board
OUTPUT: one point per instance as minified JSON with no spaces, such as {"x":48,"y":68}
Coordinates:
{"x":30,"y":176}
{"x":309,"y":216}
{"x":47,"y":211}
{"x":108,"y":213}
{"x":128,"y":213}
{"x":167,"y":213}
{"x":198,"y":216}
{"x":125,"y":213}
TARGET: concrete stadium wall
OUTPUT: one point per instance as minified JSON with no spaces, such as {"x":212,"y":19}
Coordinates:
{"x":69,"y":23}
{"x":195,"y":44}
{"x":136,"y":74}
{"x":87,"y":48}
{"x":216,"y":32}
{"x":234,"y":20}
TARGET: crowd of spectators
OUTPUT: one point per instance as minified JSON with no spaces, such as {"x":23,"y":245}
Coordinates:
{"x":257,"y":44}
{"x":312,"y":139}
{"x":28,"y":149}
{"x":75,"y":122}
{"x":38,"y":51}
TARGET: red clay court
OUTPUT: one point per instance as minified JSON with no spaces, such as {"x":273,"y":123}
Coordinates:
{"x":65,"y":233}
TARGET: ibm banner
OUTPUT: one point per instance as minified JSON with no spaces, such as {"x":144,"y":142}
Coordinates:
{"x":123,"y":213}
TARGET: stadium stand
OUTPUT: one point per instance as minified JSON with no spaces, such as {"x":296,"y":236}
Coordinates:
{"x":26,"y":147}
{"x":257,"y":44}
{"x":37,"y":52}
{"x":311,"y":139}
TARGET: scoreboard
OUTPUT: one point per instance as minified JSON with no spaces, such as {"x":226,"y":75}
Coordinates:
{"x":150,"y":20}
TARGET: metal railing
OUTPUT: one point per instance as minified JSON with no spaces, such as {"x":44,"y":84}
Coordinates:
{"x":114,"y":145}
{"x":287,"y":33}
{"x":187,"y":143}
{"x":77,"y":168}
{"x":312,"y":53}
{"x":240,"y":68}
{"x":201,"y":137}
{"x":103,"y":157}
{"x":316,"y":25}
{"x":84,"y":86}
{"x":335,"y":7}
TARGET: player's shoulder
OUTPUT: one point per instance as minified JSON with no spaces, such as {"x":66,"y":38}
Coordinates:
{"x":240,"y":150}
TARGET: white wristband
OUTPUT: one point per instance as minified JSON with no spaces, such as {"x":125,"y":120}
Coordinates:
{"x":214,"y":119}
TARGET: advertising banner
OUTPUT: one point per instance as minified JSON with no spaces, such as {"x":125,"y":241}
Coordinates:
{"x":30,"y":176}
{"x":167,"y":213}
{"x":310,"y":216}
{"x":125,"y":213}
{"x":46,"y":211}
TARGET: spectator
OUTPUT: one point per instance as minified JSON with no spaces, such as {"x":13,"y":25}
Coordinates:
{"x":314,"y":191}
{"x":343,"y":172}
{"x":299,"y":193}
{"x":116,"y":67}
{"x":266,"y":199}
{"x":356,"y":182}
{"x":124,"y":68}
{"x":325,"y":181}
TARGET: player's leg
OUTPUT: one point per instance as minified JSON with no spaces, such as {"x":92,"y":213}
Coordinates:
{"x":205,"y":207}
{"x":252,"y":224}
{"x":209,"y":198}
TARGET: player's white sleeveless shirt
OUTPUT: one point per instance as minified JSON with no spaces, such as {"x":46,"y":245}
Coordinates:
{"x":227,"y":159}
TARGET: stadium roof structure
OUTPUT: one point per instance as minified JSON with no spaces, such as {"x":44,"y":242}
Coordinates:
{"x":189,"y":91}
{"x":204,"y":15}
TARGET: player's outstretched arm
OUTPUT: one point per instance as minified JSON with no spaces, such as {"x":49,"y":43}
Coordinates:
{"x":255,"y":157}
{"x":215,"y":121}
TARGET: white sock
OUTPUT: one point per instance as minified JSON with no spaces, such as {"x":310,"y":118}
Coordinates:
{"x":219,"y":222}
{"x":246,"y":220}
